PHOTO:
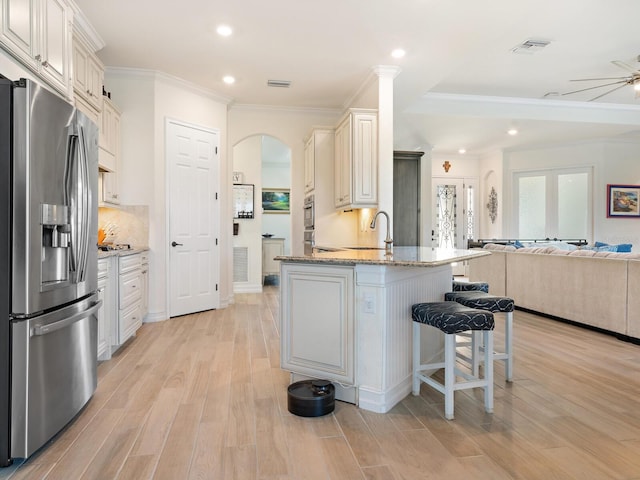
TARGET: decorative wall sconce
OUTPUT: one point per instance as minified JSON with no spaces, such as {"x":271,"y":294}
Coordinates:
{"x":446,"y":166}
{"x":493,"y":205}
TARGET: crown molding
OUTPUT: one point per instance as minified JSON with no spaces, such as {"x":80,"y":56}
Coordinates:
{"x":83,"y":28}
{"x":332,"y":112}
{"x":168,"y":79}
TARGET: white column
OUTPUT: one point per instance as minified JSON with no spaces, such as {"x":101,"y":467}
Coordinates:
{"x":386,"y":75}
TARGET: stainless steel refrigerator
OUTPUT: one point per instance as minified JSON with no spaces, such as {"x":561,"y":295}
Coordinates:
{"x":48,"y":265}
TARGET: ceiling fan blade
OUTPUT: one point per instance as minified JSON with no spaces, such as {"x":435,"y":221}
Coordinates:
{"x":624,"y":66}
{"x":607,"y":93}
{"x":605,"y":78}
{"x":624,"y":82}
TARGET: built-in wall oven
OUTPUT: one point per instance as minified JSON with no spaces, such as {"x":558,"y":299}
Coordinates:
{"x":309,"y":224}
{"x":309,"y":212}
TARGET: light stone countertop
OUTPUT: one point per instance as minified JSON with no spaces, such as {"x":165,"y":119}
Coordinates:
{"x":399,"y":257}
{"x":121,"y":253}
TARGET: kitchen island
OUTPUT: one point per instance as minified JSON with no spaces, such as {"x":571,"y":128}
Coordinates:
{"x":345,"y":316}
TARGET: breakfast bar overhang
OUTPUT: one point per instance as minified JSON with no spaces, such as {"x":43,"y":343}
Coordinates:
{"x":345,"y":316}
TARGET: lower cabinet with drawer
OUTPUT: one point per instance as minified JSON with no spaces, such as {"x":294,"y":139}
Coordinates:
{"x":107,"y":314}
{"x":130,"y":292}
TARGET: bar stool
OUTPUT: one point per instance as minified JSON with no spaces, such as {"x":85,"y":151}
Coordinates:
{"x":467,"y":339}
{"x":493,"y":304}
{"x":452,"y":318}
{"x":459,"y":286}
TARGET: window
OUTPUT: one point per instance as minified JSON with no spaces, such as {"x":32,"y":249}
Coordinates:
{"x":555,"y":203}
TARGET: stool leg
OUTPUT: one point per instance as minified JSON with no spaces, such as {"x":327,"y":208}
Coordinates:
{"x":476,"y":340}
{"x":449,"y":374}
{"x":488,"y":370}
{"x":416,"y":358}
{"x":508,"y":346}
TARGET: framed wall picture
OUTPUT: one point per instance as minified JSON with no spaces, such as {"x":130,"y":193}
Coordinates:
{"x":276,"y":200}
{"x":243,"y":201}
{"x":622,"y":201}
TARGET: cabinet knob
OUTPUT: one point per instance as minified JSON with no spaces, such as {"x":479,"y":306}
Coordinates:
{"x":45,"y":64}
{"x":38,"y":57}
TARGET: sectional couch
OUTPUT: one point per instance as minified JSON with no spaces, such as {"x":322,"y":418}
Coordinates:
{"x":594,"y":288}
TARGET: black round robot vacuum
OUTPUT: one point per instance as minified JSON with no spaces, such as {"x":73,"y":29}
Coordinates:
{"x":311,"y":398}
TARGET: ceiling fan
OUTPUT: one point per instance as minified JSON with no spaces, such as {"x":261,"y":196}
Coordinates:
{"x":617,"y":82}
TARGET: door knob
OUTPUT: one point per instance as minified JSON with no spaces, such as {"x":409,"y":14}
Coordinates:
{"x":175,"y":244}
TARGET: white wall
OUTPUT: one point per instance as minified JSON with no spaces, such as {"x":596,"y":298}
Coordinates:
{"x":491,"y":177}
{"x":146,"y":99}
{"x":613,"y":162}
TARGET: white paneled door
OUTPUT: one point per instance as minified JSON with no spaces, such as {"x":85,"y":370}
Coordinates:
{"x":194,"y":218}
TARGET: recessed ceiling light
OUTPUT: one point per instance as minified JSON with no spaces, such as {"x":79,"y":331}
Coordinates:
{"x":228,"y":79}
{"x":224,"y":30}
{"x":512,"y":131}
{"x":462,"y":151}
{"x":398,"y":53}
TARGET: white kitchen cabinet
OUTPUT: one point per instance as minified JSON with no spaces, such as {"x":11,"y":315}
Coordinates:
{"x":313,"y":148}
{"x":309,"y":165}
{"x":318,"y":321}
{"x":88,"y":75}
{"x":106,"y":314}
{"x":356,"y":160}
{"x":271,"y":247}
{"x":144,"y":262}
{"x":110,"y":192}
{"x":109,"y":153}
{"x":87,"y":109}
{"x":130,"y":291}
{"x":38,"y":34}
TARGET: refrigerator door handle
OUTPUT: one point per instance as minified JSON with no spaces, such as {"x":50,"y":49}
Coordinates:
{"x":52,"y":327}
{"x":85,"y":204}
{"x":77,"y":196}
{"x":72,"y":140}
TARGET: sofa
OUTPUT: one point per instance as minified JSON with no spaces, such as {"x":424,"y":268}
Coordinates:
{"x":600,"y":289}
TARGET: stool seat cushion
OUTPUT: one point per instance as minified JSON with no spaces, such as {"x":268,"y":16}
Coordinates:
{"x":459,"y":286}
{"x":482,"y":301}
{"x":452,"y":317}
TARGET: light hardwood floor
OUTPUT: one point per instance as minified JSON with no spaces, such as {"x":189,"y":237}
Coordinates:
{"x":203,"y":397}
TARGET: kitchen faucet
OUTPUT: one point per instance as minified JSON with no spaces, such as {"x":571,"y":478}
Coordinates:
{"x":388,"y":242}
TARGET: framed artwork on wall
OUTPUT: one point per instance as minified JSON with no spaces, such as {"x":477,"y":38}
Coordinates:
{"x":622,"y":201}
{"x":276,"y":200}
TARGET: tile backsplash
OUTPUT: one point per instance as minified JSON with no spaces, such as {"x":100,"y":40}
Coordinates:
{"x":125,"y":224}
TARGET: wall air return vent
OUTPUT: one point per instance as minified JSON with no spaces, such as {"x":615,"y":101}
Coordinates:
{"x":530,"y":46}
{"x":279,"y":83}
{"x":240,"y":264}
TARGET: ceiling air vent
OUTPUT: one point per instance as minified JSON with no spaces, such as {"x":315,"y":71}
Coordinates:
{"x":530,"y":46}
{"x":279,"y":83}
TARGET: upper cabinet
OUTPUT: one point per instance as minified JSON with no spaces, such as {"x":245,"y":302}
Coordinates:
{"x":309,"y":165}
{"x":38,"y":33}
{"x":109,"y":136}
{"x":88,"y":75}
{"x":356,"y":160}
{"x":317,"y":152}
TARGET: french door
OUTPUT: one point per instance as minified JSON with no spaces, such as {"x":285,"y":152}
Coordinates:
{"x":455,"y":214}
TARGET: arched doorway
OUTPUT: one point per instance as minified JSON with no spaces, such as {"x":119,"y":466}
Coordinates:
{"x":264,"y":162}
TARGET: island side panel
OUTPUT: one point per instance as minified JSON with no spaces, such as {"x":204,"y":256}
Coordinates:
{"x":317,"y":321}
{"x":384,"y":296}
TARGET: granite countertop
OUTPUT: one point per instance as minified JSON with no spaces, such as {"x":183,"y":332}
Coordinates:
{"x":399,"y":257}
{"x":121,"y":253}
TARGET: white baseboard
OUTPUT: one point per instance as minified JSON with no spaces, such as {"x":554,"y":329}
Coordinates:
{"x":247,"y":288}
